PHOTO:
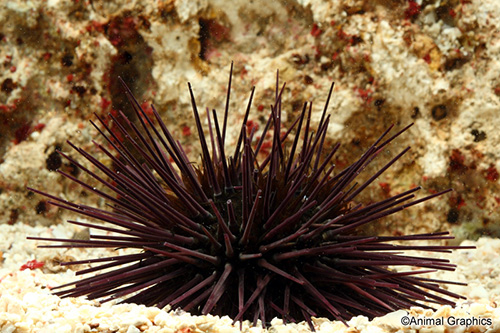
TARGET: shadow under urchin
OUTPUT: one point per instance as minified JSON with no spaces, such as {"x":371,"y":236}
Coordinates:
{"x":239,"y":235}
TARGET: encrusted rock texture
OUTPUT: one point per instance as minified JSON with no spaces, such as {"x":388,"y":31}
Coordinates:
{"x":431,"y":63}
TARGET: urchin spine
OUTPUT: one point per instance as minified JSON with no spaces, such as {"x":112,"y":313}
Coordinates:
{"x":242,"y":235}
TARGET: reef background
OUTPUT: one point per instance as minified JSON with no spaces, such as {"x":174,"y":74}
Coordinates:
{"x":434,"y":63}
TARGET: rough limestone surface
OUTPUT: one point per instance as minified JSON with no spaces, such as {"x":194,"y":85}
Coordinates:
{"x":432,"y":63}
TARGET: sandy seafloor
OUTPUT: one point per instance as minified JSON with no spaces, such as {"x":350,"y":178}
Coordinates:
{"x":26,"y":304}
{"x":434,"y":63}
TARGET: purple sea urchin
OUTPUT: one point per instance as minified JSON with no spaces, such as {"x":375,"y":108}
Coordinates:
{"x":246,"y":237}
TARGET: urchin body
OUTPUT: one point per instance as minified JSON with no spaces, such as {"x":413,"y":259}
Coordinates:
{"x":240,"y":235}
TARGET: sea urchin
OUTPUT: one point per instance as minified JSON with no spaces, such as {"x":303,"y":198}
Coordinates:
{"x":253,"y":238}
